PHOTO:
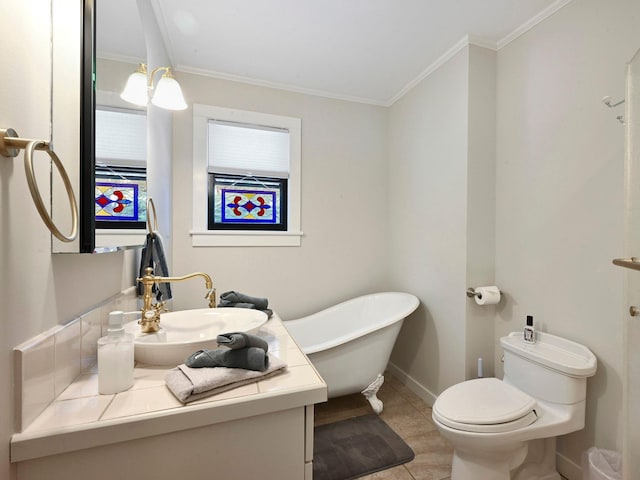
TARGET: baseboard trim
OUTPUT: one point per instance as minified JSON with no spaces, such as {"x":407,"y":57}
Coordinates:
{"x":567,"y":468}
{"x":412,"y":384}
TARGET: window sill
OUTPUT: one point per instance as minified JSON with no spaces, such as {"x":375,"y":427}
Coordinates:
{"x":245,"y":239}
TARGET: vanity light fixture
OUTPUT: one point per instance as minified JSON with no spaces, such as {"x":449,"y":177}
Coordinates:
{"x":166,"y":94}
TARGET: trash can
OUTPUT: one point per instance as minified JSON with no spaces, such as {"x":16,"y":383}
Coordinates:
{"x":598,"y":464}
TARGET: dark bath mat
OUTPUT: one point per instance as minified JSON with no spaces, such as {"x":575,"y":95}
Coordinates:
{"x":356,"y":447}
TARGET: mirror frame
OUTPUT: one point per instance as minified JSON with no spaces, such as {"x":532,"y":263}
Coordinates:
{"x":73,"y":121}
{"x":86,"y":194}
{"x":73,"y":124}
{"x":72,"y":118}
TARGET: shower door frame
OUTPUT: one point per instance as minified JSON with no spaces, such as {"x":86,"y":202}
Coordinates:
{"x":631,"y":334}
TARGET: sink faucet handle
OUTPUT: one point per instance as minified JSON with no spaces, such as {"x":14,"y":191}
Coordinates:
{"x":160,"y":307}
{"x":211,"y":296}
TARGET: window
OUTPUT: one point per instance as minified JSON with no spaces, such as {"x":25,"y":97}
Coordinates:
{"x":246,"y":202}
{"x":246,"y":178}
{"x":121,"y":186}
{"x":248,"y":170}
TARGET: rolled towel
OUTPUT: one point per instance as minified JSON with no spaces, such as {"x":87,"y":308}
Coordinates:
{"x":190,"y":384}
{"x":224,"y":304}
{"x":237,"y":297}
{"x":227,"y":303}
{"x":251,"y":358}
{"x":237,"y":340}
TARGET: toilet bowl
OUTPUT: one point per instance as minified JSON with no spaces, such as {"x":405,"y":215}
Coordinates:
{"x":506,"y":429}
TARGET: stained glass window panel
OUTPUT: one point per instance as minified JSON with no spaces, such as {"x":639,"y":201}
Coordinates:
{"x":120,"y":197}
{"x":239,"y":203}
{"x":248,"y":206}
{"x":116,"y":201}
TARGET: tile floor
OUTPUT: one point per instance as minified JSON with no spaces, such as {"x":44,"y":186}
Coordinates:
{"x":410,"y":417}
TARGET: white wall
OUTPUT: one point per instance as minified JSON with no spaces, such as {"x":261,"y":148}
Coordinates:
{"x":442,"y":184}
{"x":559,"y":187}
{"x":428,"y":184}
{"x":38,"y":289}
{"x":481,"y":205}
{"x":344,"y":204}
{"x":159,"y":128}
{"x":559,"y":184}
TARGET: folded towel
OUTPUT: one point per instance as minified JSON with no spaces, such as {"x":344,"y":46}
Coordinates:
{"x":237,"y":340}
{"x":251,"y":358}
{"x":224,"y":304}
{"x":153,"y":256}
{"x":232,"y":297}
{"x":191,"y":384}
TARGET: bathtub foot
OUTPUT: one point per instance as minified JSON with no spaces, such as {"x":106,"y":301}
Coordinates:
{"x":370,"y":394}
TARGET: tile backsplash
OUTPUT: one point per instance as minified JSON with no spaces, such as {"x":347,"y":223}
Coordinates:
{"x":47,"y":364}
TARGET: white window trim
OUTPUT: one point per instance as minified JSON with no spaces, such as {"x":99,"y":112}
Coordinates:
{"x":200,"y":235}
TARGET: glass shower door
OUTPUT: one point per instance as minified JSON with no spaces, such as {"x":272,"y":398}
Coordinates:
{"x":631,"y":445}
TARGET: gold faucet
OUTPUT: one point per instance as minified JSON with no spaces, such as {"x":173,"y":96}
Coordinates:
{"x":150,"y":318}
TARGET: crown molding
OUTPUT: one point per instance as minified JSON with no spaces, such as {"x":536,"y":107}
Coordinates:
{"x":532,"y":22}
{"x":440,"y":61}
{"x":276,"y":85}
{"x":480,"y":42}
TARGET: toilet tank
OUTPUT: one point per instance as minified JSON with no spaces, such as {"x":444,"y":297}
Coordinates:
{"x":553,"y":369}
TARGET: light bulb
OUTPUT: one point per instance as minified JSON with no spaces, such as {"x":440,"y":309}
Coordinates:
{"x":136,"y":90}
{"x":168,"y":93}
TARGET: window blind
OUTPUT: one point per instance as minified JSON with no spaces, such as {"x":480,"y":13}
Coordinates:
{"x":121,"y":137}
{"x":244,"y":149}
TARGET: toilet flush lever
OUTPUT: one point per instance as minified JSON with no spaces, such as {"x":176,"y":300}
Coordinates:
{"x":634,"y":311}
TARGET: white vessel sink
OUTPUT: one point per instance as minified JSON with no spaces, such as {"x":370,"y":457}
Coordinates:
{"x":186,"y":331}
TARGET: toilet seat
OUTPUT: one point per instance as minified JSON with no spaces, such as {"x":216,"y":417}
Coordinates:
{"x":484,"y":405}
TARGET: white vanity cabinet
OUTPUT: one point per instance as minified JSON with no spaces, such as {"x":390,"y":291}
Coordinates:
{"x":262,"y":430}
{"x":270,"y":446}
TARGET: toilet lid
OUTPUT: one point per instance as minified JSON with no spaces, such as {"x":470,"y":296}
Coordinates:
{"x":484,"y":405}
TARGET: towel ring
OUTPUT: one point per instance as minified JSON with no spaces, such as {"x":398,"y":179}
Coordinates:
{"x":151,"y":229}
{"x":9,"y":146}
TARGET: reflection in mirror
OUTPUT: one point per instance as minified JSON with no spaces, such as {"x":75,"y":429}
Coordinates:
{"x":121,"y":153}
{"x":120,"y":148}
{"x":94,"y":72}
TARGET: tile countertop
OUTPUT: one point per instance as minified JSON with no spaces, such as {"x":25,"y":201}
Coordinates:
{"x":81,"y":418}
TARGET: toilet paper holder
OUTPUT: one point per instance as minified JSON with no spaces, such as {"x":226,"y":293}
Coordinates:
{"x":471,"y":292}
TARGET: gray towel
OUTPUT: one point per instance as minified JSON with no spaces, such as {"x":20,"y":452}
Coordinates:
{"x":251,"y":358}
{"x":191,"y":384}
{"x":232,"y":297}
{"x":153,"y":256}
{"x":237,"y":340}
{"x":223,"y":304}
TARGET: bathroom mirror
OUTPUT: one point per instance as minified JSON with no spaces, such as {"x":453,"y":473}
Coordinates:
{"x":73,"y":114}
{"x":121,"y":128}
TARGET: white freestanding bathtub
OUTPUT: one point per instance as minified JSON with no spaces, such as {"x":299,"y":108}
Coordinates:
{"x":350,"y":343}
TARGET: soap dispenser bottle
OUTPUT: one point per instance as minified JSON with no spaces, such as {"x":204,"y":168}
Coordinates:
{"x":529,"y":331}
{"x":115,"y":357}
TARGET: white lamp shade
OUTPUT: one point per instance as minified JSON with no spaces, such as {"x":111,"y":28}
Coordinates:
{"x":168,"y":94}
{"x":135,"y":90}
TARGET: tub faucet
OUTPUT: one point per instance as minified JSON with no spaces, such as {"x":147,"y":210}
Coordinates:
{"x":150,"y":316}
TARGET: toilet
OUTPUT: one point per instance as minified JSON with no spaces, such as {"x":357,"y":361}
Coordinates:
{"x":507,"y":429}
